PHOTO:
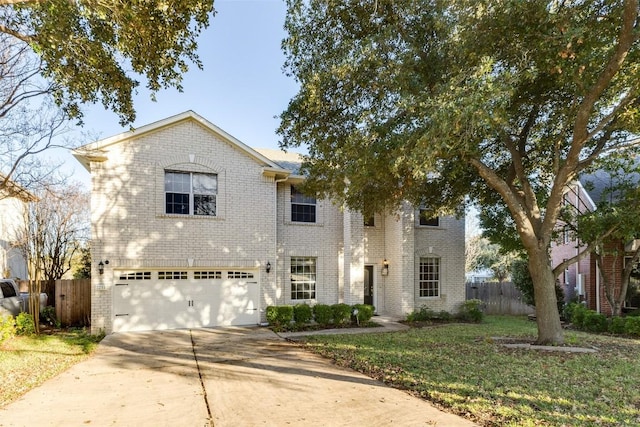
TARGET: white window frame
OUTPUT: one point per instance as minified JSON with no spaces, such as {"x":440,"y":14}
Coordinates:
{"x":421,"y":216}
{"x":427,"y":279}
{"x":303,"y":200}
{"x":300,"y":279}
{"x":191,"y":194}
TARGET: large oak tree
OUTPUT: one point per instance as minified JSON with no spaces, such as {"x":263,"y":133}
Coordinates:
{"x":432,"y":101}
{"x":56,"y":55}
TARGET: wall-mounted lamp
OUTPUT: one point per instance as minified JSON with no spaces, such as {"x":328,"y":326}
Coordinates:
{"x":101,"y":266}
{"x":268,"y":267}
{"x":385,"y":268}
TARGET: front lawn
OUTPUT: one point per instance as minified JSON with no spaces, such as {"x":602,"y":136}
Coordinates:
{"x":28,"y":361}
{"x":463,"y":369}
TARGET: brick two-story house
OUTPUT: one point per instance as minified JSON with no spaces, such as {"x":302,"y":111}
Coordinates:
{"x":193,"y":228}
{"x":582,"y":281}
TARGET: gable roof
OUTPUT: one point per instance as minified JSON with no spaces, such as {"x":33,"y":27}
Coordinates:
{"x":9,"y":188}
{"x":96,"y":151}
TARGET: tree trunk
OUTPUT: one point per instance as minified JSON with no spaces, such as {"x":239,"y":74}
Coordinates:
{"x":544,"y":287}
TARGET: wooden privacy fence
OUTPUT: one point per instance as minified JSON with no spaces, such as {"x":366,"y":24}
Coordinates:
{"x":71,"y":298}
{"x":499,"y":298}
{"x":73,"y":302}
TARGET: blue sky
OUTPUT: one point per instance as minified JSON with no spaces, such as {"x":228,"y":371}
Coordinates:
{"x":241,"y":87}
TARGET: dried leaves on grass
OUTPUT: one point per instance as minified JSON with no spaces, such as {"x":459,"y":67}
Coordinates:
{"x":28,"y":361}
{"x":462,"y":369}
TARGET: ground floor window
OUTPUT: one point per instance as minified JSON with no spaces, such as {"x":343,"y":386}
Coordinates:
{"x":303,"y":278}
{"x":429,"y":279}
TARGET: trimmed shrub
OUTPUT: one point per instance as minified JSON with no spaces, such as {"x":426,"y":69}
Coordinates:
{"x":421,"y":315}
{"x":471,"y":311}
{"x":7,"y":327}
{"x":617,"y":325}
{"x":445,"y":316}
{"x":302,"y":313}
{"x":322,"y":314}
{"x":365,"y":312}
{"x":279,"y":315}
{"x":578,"y":314}
{"x":25,"y":324}
{"x":341,"y":313}
{"x":595,"y":322}
{"x":632,"y":326}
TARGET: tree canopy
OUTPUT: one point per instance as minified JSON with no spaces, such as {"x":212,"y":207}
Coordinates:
{"x":97,"y":51}
{"x":434,"y":101}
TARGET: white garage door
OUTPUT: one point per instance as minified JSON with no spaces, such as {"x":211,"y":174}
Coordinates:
{"x":150,"y":300}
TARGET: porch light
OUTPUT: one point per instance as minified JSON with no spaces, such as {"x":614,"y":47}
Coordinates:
{"x":268,"y":267}
{"x":101,"y":266}
{"x":385,"y":268}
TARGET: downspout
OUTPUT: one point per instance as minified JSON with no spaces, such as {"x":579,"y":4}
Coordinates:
{"x":597,"y":288}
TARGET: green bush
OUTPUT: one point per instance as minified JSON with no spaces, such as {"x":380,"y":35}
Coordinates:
{"x":632,"y":326}
{"x":341,"y":313}
{"x":365,"y":312}
{"x":279,"y":315}
{"x":445,"y":316}
{"x":322,"y":314}
{"x":578,"y":314}
{"x":617,"y":325}
{"x":521,"y":278}
{"x":595,"y":322}
{"x":48,"y":316}
{"x":471,"y":311}
{"x":7,"y":327}
{"x":25,"y":324}
{"x":302,"y":313}
{"x":421,"y":315}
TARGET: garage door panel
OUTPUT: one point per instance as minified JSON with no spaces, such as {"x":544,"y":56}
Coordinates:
{"x":169,"y":304}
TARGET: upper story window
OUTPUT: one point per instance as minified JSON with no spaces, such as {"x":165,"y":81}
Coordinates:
{"x":370,"y":221}
{"x":428,"y":220}
{"x":303,"y":208}
{"x":190,"y":193}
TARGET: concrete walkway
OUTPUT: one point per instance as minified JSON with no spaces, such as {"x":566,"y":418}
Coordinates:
{"x":220,"y":377}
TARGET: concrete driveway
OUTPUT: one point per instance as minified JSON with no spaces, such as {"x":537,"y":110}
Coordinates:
{"x":220,"y":377}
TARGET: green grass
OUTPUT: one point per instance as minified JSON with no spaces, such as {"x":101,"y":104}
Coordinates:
{"x":28,"y":361}
{"x":462,"y":369}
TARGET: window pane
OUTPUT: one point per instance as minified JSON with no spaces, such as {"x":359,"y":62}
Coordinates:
{"x":177,"y":203}
{"x":205,"y":183}
{"x":177,"y":182}
{"x":204,"y":205}
{"x":303,"y":213}
{"x":298,"y":197}
{"x":303,"y":278}
{"x":429,"y":277}
{"x":426,"y":220}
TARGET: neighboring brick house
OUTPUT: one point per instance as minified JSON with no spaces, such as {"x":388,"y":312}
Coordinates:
{"x":13,"y":207}
{"x":582,"y":281}
{"x":191,"y":228}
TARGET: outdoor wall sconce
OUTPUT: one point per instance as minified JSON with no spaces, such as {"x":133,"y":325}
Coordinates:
{"x":268,"y":267}
{"x":101,"y":266}
{"x":385,"y":268}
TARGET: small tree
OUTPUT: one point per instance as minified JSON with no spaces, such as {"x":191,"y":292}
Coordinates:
{"x":54,"y":226}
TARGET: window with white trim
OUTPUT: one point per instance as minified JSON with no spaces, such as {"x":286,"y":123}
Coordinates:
{"x":136,"y":275}
{"x":426,"y":220}
{"x":190,"y":193}
{"x":303,"y":278}
{"x":303,"y":207}
{"x":429,"y":277}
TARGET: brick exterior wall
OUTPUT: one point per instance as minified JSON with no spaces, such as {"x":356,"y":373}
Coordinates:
{"x":253,"y":226}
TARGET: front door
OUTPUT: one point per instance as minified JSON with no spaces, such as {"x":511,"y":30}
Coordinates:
{"x":368,"y":284}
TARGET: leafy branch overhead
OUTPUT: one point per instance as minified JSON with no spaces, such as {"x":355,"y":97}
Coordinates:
{"x":97,"y":51}
{"x":433,"y":102}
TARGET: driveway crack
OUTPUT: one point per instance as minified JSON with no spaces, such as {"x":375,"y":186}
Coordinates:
{"x":204,"y":390}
